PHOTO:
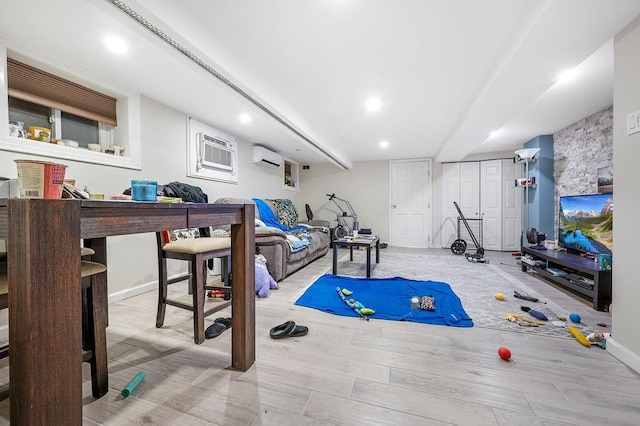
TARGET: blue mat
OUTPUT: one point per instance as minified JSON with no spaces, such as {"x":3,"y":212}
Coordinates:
{"x":389,"y":297}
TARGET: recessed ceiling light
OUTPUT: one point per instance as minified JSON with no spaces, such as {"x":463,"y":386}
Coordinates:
{"x":373,"y":104}
{"x":383,"y":144}
{"x":494,"y":133}
{"x":115,"y":44}
{"x":567,"y":75}
{"x":244,"y":118}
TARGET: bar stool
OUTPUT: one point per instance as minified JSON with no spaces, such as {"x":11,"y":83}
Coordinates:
{"x":94,"y":341}
{"x":197,"y":251}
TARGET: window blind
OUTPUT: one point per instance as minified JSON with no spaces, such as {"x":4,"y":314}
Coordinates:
{"x":34,"y":85}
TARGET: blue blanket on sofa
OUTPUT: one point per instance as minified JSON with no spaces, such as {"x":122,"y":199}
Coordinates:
{"x":389,"y":297}
{"x":269,"y":218}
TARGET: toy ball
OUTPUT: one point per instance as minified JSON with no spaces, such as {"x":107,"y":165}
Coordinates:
{"x":499,"y":296}
{"x":574,"y":317}
{"x":504,"y":353}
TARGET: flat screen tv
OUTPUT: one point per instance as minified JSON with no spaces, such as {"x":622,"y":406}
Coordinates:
{"x":586,"y":223}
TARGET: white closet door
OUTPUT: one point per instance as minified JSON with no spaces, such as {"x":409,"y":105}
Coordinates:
{"x":511,"y":206}
{"x":450,"y":193}
{"x":491,"y":204}
{"x":460,"y":183}
{"x":469,"y":201}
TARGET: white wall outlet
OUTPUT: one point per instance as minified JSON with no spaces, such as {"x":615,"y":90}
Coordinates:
{"x":633,"y":122}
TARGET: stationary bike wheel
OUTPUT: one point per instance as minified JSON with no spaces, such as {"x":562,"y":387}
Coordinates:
{"x":480,"y":252}
{"x":459,"y":246}
{"x":340,"y":232}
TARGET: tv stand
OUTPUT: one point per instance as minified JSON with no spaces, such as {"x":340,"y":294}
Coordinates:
{"x":573,"y":271}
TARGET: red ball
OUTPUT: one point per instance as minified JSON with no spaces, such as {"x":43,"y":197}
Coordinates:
{"x":504,"y":353}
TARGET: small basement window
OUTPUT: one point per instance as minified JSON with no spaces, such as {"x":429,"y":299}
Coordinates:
{"x":90,"y":125}
{"x":62,"y":125}
{"x":40,"y":101}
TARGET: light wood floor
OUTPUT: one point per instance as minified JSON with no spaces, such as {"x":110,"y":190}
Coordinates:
{"x":350,"y":372}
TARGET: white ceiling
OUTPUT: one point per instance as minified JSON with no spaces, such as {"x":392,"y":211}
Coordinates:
{"x":448,"y":72}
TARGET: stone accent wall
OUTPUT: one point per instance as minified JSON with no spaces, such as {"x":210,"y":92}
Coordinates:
{"x":578,"y":152}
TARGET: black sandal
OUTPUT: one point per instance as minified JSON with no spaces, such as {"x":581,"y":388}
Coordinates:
{"x":288,"y":329}
{"x":217,"y":328}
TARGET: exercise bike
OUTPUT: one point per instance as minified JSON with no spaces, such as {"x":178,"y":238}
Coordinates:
{"x":343,"y":229}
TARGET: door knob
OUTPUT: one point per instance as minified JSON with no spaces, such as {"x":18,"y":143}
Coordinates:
{"x":393,"y":205}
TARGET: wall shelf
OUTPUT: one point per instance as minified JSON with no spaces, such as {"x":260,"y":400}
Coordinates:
{"x":290,"y":175}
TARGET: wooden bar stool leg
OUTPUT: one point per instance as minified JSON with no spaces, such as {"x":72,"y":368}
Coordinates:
{"x":225,"y":274}
{"x":87,"y":332}
{"x":162,"y":292}
{"x":97,"y":313}
{"x":197,"y":281}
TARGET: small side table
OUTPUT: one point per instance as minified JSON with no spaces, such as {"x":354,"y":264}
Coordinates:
{"x":350,"y":242}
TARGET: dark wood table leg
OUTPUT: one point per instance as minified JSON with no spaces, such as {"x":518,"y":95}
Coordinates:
{"x":377,"y":250}
{"x":369,"y":261}
{"x":351,"y":252}
{"x":335,"y":258}
{"x":45,"y":312}
{"x":243,"y":302}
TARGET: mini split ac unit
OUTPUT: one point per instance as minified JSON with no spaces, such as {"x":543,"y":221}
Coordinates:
{"x":266,"y":157}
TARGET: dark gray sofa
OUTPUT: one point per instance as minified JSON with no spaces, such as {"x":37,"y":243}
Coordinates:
{"x":272,"y":243}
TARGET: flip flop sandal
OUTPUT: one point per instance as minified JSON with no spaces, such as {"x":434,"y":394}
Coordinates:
{"x":217,"y":328}
{"x":288,"y":329}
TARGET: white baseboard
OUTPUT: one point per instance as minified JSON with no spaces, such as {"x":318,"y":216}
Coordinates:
{"x":134,"y":291}
{"x":113,"y":298}
{"x":627,"y":357}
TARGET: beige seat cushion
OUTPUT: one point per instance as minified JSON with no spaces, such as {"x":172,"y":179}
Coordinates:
{"x":91,"y":268}
{"x":86,"y":251}
{"x":198,"y":245}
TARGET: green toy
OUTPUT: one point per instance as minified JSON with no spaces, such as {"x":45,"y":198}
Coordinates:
{"x":363,"y":311}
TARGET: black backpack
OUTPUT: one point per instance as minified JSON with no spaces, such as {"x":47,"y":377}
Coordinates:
{"x":188,"y":193}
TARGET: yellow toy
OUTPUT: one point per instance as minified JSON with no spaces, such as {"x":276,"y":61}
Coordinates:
{"x":579,"y":336}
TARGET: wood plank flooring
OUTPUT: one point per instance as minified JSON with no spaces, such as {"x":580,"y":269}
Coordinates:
{"x":347,"y":371}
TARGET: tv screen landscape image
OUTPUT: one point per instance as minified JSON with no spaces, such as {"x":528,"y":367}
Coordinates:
{"x":586,"y":223}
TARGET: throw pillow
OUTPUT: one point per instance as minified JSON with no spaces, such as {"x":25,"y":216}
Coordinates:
{"x":286,"y":212}
{"x":181,"y":234}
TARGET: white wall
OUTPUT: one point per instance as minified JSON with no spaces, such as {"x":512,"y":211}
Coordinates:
{"x":626,"y":157}
{"x":132,"y":259}
{"x":366,"y":187}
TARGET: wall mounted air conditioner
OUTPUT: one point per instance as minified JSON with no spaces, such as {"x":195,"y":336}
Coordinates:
{"x":216,"y":153}
{"x":265,"y":157}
